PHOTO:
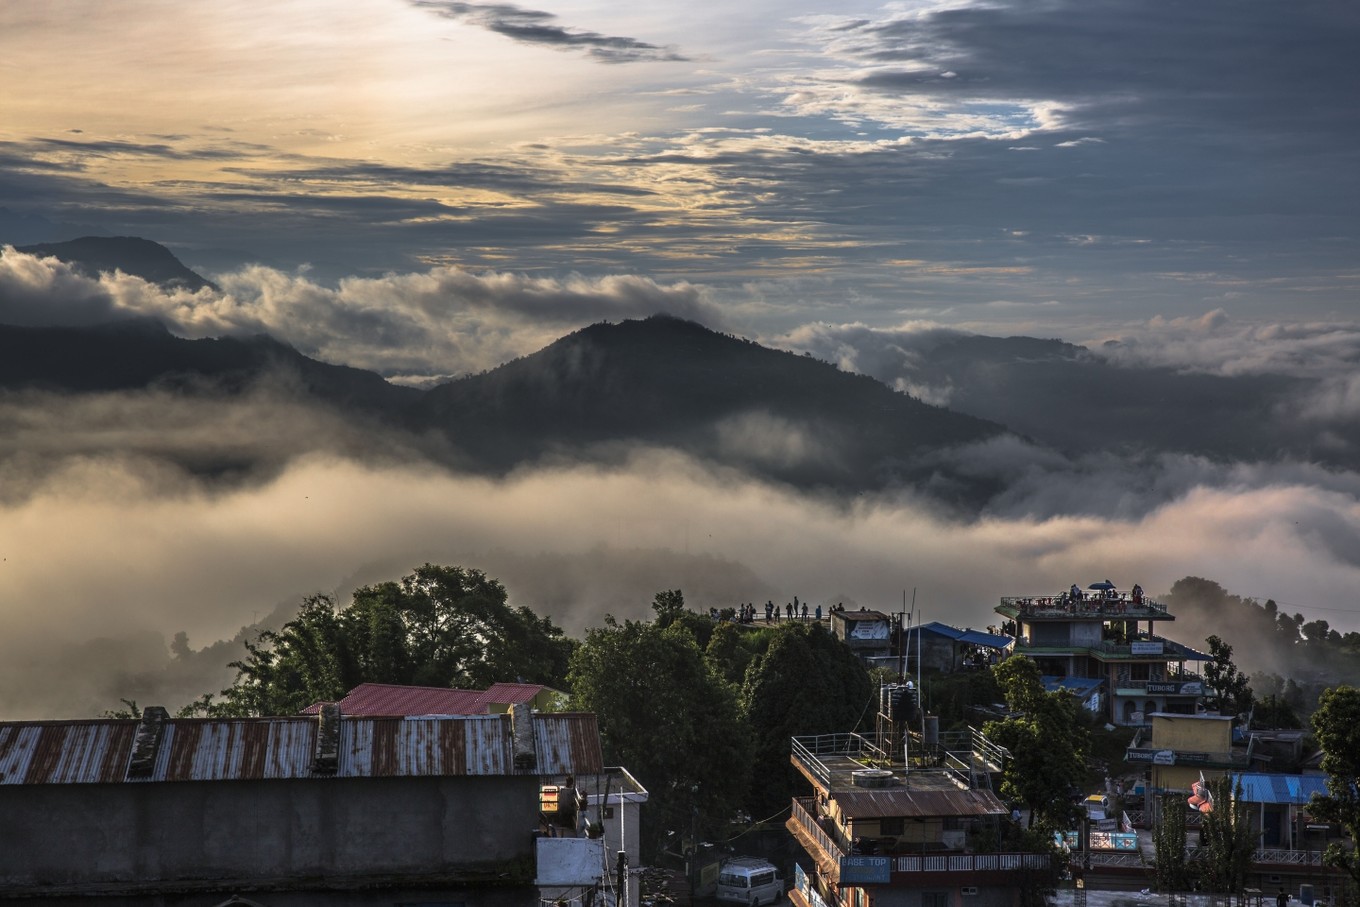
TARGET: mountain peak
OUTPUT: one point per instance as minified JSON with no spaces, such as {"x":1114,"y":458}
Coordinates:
{"x":134,"y":255}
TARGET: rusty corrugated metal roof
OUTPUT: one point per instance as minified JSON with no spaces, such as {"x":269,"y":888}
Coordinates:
{"x":571,"y":739}
{"x":211,"y":749}
{"x":65,"y":752}
{"x":893,"y":802}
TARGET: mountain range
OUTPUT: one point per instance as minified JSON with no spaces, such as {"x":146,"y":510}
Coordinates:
{"x":600,"y":393}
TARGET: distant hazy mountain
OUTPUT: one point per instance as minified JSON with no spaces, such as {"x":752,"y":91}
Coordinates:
{"x":592,"y":396}
{"x":1068,"y":398}
{"x":140,"y":353}
{"x":667,"y":382}
{"x":130,"y":254}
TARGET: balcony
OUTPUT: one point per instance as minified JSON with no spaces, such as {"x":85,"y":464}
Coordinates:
{"x":1145,"y":647}
{"x":827,"y":846}
{"x":828,"y":837}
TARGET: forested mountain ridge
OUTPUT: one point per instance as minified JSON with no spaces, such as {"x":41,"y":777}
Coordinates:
{"x":672,"y":383}
{"x":593,"y":396}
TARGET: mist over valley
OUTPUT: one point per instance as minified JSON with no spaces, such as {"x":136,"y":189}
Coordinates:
{"x":194,"y":458}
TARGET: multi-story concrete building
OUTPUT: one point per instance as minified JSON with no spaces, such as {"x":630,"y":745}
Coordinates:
{"x":1105,"y":634}
{"x":899,"y":830}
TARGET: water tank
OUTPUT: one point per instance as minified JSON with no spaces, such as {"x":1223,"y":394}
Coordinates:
{"x":901,"y":703}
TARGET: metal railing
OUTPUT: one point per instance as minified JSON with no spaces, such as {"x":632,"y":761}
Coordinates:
{"x":1272,"y":856}
{"x":1054,"y":605}
{"x":833,"y":843}
{"x":972,"y":862}
{"x":808,"y":751}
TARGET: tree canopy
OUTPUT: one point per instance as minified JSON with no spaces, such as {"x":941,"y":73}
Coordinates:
{"x":1231,"y":694}
{"x":439,"y":626}
{"x":669,"y":717}
{"x":1048,"y":743}
{"x":805,"y":682}
{"x":1336,"y":724}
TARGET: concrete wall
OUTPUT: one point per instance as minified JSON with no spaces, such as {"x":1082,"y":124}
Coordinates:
{"x":68,"y":834}
{"x":1198,"y":733}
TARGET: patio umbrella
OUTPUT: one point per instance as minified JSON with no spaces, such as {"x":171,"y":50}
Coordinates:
{"x":1102,"y":585}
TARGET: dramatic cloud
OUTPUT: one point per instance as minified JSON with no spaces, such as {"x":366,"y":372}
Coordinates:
{"x":536,"y":27}
{"x":1061,"y":164}
{"x":446,"y":321}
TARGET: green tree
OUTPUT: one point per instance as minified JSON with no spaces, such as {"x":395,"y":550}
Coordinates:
{"x":730,"y":650}
{"x":1020,"y":682}
{"x":806,"y":682}
{"x":1231,"y":694}
{"x":1227,"y":838}
{"x":439,"y":626}
{"x":1336,"y":725}
{"x":1275,"y":712}
{"x":1048,"y":744}
{"x":668,"y":716}
{"x":1168,"y":843}
{"x":285,"y":671}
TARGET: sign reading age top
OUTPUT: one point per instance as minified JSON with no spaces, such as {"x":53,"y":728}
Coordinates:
{"x":866,"y":870}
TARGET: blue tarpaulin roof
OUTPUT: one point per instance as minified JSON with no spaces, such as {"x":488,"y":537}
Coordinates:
{"x":1259,"y":787}
{"x":973,"y":637}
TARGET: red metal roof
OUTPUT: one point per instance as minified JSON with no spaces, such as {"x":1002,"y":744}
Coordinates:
{"x":511,"y":693}
{"x":397,"y":699}
{"x":211,"y":749}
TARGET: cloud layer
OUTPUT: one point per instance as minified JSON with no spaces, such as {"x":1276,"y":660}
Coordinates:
{"x":103,"y":548}
{"x":446,"y":321}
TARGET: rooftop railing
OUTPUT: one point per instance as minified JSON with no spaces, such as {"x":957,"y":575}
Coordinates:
{"x":1121,"y":605}
{"x":812,"y":751}
{"x":973,"y":862}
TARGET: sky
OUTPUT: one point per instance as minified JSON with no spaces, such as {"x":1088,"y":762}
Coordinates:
{"x":1063,"y":163}
{"x":429,"y":188}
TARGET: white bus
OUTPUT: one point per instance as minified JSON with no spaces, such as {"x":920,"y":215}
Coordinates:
{"x":751,"y":881}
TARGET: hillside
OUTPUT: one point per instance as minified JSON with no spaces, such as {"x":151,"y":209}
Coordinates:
{"x":1070,"y":399}
{"x":672,"y":383}
{"x":137,"y":354}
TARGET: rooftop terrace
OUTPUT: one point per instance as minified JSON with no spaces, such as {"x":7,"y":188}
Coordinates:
{"x":1121,"y":606}
{"x":852,"y":763}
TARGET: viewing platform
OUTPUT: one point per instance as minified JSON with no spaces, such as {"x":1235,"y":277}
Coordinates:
{"x":1093,"y":607}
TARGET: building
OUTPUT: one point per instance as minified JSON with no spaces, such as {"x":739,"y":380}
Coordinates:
{"x":869,"y":634}
{"x":1179,"y":750}
{"x":940,"y":647}
{"x":329,"y":809}
{"x":1111,"y":636}
{"x":893,"y":828}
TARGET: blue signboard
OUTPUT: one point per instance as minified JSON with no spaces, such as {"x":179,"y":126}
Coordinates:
{"x":864,"y":870}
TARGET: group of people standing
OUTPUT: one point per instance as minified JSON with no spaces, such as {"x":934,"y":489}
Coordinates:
{"x":794,"y":610}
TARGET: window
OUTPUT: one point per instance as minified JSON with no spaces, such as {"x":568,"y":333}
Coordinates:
{"x":1140,"y":671}
{"x":934,"y":899}
{"x":890,"y":826}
